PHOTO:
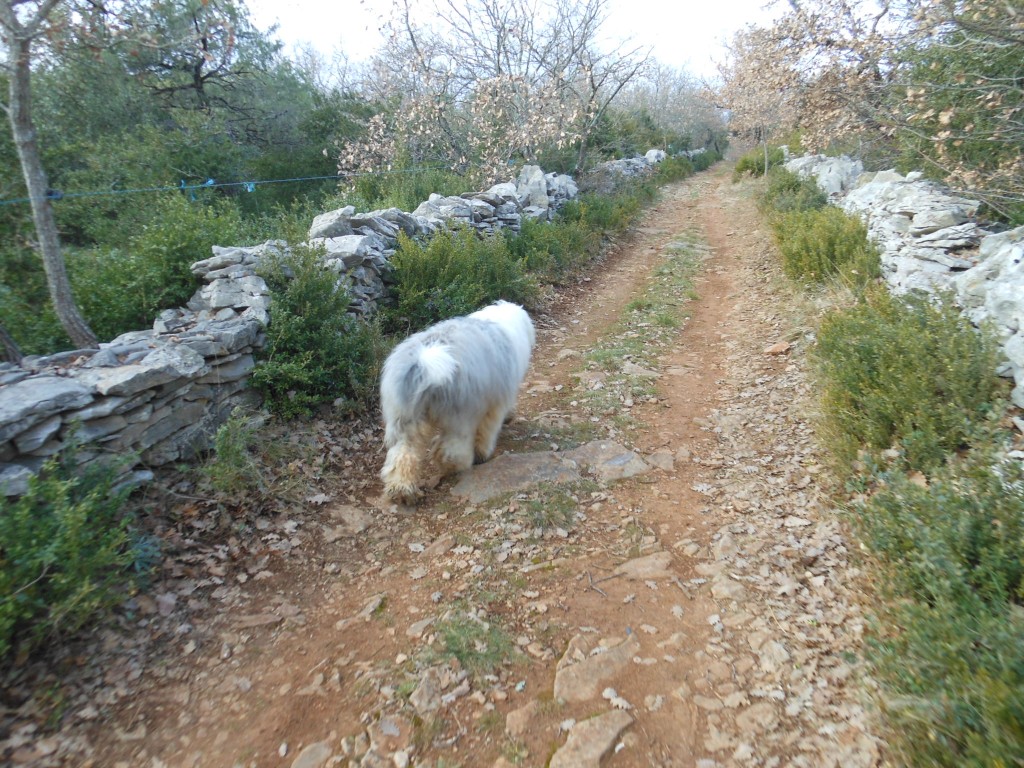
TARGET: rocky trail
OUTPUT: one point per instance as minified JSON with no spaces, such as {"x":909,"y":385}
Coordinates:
{"x":648,"y":574}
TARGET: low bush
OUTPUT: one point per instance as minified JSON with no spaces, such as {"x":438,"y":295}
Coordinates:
{"x":909,"y":372}
{"x":552,"y":250}
{"x":121,"y":290}
{"x":707,"y":158}
{"x":785,"y":192}
{"x":65,"y":553}
{"x":822,"y":243}
{"x":948,"y":645}
{"x":453,"y":274}
{"x":753,"y":162}
{"x":315,"y":352}
{"x":673,"y":169}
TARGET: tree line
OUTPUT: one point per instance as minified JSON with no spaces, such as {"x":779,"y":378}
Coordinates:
{"x":107,"y":98}
{"x":936,"y":86}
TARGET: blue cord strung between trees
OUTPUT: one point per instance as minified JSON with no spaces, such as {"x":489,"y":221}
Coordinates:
{"x":250,"y":186}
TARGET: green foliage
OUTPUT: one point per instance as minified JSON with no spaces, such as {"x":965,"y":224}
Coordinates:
{"x":315,"y":353}
{"x":121,"y":291}
{"x":752,"y":163}
{"x":552,"y":250}
{"x":64,"y":553}
{"x":480,"y":647}
{"x":232,"y":468}
{"x":610,"y":214}
{"x":908,"y":372}
{"x":456,"y":273}
{"x":818,"y":244}
{"x":962,"y":87}
{"x":406,"y":188}
{"x":709,"y":157}
{"x":785,"y":192}
{"x":949,"y":651}
{"x":25,"y":309}
{"x":673,"y":169}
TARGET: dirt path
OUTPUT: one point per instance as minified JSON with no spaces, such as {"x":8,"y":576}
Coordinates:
{"x":700,"y":613}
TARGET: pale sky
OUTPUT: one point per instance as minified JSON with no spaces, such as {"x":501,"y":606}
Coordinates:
{"x":683,"y":35}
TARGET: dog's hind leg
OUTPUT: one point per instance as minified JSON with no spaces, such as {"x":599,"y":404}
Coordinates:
{"x":487,"y":434}
{"x":402,"y":465}
{"x":455,"y":452}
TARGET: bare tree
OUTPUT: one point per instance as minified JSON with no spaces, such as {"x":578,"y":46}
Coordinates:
{"x":758,"y":89}
{"x":22,"y":22}
{"x":482,"y":82}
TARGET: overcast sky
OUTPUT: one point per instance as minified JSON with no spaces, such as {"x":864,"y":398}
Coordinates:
{"x":683,"y":35}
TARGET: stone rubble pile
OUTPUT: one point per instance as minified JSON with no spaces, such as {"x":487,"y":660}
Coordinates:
{"x":160,"y":394}
{"x":930,"y":240}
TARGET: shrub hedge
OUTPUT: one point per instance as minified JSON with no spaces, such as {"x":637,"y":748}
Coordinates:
{"x":908,"y":386}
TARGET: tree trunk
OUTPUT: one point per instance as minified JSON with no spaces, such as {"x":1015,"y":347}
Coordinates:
{"x":9,"y":349}
{"x":24,"y":133}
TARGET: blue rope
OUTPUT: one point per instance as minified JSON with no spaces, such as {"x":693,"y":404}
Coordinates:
{"x":250,"y":186}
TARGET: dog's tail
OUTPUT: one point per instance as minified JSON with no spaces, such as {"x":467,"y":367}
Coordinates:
{"x":436,"y":366}
{"x":408,"y":378}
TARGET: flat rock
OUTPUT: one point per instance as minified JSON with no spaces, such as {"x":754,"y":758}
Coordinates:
{"x":517,"y":722}
{"x":30,"y":400}
{"x":609,"y":461}
{"x":581,"y":681}
{"x":591,"y":740}
{"x":511,"y":472}
{"x":654,"y":566}
{"x":427,"y":696}
{"x":315,"y":755}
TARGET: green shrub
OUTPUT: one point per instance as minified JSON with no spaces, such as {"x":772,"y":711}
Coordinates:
{"x":705,"y":159}
{"x":64,"y":553}
{"x":821,"y":243}
{"x":673,"y":169}
{"x":752,"y":163}
{"x":456,"y":273}
{"x":785,"y":192}
{"x":948,"y":650}
{"x":315,"y":352}
{"x":552,"y":250}
{"x":123,"y":290}
{"x":909,"y":372}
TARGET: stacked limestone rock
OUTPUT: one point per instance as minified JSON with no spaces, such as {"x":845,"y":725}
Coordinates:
{"x":930,"y":241}
{"x":160,"y":394}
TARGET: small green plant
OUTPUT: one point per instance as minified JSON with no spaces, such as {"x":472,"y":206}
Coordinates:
{"x":65,"y":552}
{"x":232,"y":468}
{"x":480,"y":647}
{"x":906,"y":371}
{"x":454,"y":274}
{"x":818,"y":244}
{"x":550,"y":507}
{"x":316,"y":352}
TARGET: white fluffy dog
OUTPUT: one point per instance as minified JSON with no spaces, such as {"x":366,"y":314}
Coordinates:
{"x":446,"y":391}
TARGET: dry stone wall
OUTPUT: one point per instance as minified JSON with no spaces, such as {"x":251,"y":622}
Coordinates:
{"x":159,"y":395}
{"x":931,"y":240}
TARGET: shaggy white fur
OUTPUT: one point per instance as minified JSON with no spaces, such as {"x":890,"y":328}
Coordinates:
{"x":446,"y":391}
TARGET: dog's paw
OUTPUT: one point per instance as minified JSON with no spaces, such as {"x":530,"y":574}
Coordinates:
{"x":402,"y":494}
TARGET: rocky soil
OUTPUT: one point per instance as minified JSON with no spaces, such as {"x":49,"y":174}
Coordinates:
{"x":649,"y":574}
